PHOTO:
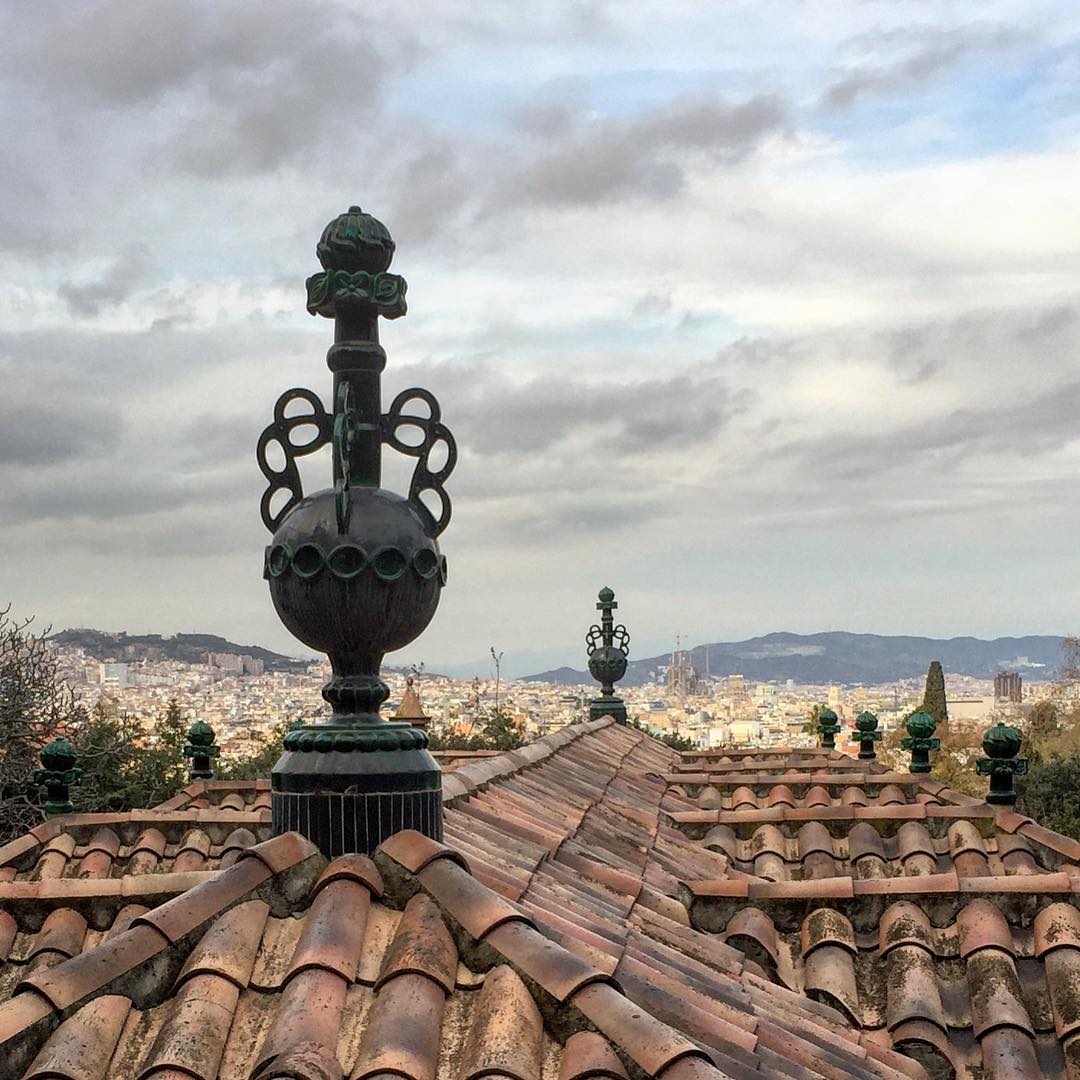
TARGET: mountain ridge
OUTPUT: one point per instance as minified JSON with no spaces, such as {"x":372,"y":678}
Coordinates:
{"x":839,"y":656}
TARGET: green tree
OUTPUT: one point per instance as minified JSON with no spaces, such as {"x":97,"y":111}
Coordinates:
{"x":124,"y":764}
{"x":36,"y":705}
{"x":810,"y":724}
{"x":1048,"y":794}
{"x":934,"y":700}
{"x":257,"y":766}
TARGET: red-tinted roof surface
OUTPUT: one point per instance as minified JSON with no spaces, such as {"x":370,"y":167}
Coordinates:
{"x":599,"y":908}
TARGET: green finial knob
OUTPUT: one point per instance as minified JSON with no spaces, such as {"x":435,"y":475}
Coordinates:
{"x":920,"y":741}
{"x":201,"y":749}
{"x":1001,"y":744}
{"x":828,"y":728}
{"x":58,"y":775}
{"x":867,"y":734}
{"x":355,"y":251}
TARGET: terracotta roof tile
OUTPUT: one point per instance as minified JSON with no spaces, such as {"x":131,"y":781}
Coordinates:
{"x":358,"y":868}
{"x":473,"y":906}
{"x":333,"y":934}
{"x":414,"y":851}
{"x":553,"y":968}
{"x":505,"y":1036}
{"x":192,"y":1039}
{"x":393,"y":1046}
{"x":81,"y":1048}
{"x":423,"y":946}
{"x":651,"y":1044}
{"x":586,"y":1055}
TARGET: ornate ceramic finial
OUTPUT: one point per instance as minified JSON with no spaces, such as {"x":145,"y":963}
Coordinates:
{"x":1002,"y":747}
{"x":355,"y":571}
{"x":58,"y":775}
{"x":867,"y":734}
{"x":828,"y":728}
{"x":609,"y":647}
{"x":201,"y":749}
{"x":919,"y":740}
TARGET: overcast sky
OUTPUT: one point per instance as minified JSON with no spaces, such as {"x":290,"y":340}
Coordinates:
{"x":763,"y":313}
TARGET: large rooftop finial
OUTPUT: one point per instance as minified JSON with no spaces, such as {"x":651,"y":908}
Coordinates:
{"x":609,"y":647}
{"x":355,"y":571}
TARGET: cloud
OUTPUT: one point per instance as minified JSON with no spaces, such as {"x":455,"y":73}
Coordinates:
{"x":934,"y":53}
{"x":643,"y":157}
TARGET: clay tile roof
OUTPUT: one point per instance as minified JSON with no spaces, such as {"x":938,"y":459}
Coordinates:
{"x":598,"y":908}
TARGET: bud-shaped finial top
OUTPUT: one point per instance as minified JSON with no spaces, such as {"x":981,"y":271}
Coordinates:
{"x":355,"y":241}
{"x":201,"y":734}
{"x":866,"y":722}
{"x":59,"y":755}
{"x":921,"y":725}
{"x":606,"y":595}
{"x":1002,"y":741}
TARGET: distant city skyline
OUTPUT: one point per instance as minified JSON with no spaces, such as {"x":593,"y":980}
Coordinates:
{"x":765,"y":322}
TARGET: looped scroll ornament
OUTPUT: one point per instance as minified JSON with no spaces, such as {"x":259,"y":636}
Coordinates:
{"x":620,"y":638}
{"x":434,"y":432}
{"x":279,"y":433}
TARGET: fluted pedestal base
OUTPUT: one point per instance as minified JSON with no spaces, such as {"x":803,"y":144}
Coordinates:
{"x":608,"y":706}
{"x":345,"y":798}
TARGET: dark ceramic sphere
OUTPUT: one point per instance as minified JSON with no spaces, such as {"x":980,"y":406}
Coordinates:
{"x":607,"y":665}
{"x":362,"y":593}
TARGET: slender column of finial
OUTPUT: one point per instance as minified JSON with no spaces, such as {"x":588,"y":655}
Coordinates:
{"x":1001,"y":743}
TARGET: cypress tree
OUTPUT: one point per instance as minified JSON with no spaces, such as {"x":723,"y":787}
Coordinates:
{"x":934,"y":699}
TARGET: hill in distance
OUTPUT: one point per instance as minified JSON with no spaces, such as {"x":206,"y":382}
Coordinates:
{"x":845,"y":658}
{"x":186,"y":648}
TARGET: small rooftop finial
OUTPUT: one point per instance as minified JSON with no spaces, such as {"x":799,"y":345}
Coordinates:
{"x":828,"y":728}
{"x":867,"y":734}
{"x":58,"y":775}
{"x":1001,"y":743}
{"x":609,"y":647}
{"x":411,"y":708}
{"x":920,"y":741}
{"x":201,"y":749}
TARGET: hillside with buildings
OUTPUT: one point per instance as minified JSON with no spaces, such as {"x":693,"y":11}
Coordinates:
{"x":845,"y":658}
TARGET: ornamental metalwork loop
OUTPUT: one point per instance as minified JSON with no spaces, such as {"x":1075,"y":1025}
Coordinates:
{"x":279,"y":434}
{"x":1001,"y":743}
{"x":866,"y":733}
{"x":828,"y":725}
{"x":434,"y":432}
{"x":920,"y":741}
{"x":354,"y":570}
{"x":609,"y":648}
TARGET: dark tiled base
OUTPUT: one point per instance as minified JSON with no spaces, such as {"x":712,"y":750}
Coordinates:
{"x":612,"y":706}
{"x":342,"y":824}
